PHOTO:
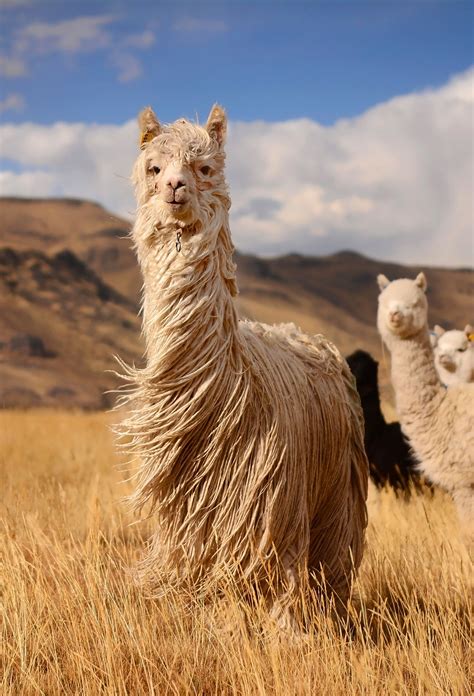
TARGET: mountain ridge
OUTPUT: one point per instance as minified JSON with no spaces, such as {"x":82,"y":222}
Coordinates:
{"x":69,"y":282}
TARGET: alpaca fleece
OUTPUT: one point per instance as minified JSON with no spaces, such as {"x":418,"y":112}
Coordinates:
{"x":250,"y":437}
{"x":439,"y":422}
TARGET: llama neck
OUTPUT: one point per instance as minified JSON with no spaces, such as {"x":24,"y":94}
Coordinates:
{"x":414,"y":377}
{"x":373,"y":415}
{"x":188,"y":310}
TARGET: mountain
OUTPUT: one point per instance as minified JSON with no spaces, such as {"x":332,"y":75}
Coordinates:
{"x":69,"y":295}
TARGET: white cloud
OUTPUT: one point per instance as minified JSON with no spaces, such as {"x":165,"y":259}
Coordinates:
{"x":193,"y":25}
{"x":395,"y":182}
{"x":12,"y":102}
{"x":12,"y":66}
{"x":31,"y":184}
{"x":73,"y":159}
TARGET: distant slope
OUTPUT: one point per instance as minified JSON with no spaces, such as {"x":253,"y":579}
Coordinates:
{"x":86,"y":228}
{"x":69,"y":278}
{"x":60,"y":325}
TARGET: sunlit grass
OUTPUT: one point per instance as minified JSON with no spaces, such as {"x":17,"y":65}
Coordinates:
{"x":75,"y":623}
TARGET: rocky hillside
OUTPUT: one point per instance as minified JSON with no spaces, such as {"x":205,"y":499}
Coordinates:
{"x":69,"y":289}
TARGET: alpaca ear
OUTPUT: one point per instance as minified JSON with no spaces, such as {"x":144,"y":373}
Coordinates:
{"x":469,"y":331}
{"x":438,"y":330}
{"x":149,"y":126}
{"x":382,"y":281}
{"x":216,"y":124}
{"x":420,"y":280}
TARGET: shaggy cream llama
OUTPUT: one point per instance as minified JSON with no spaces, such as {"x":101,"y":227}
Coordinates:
{"x":250,"y":436}
{"x":439,"y":422}
{"x":454,"y":355}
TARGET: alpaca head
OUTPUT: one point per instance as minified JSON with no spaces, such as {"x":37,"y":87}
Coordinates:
{"x":452,"y":348}
{"x":179,"y":174}
{"x":403,"y":307}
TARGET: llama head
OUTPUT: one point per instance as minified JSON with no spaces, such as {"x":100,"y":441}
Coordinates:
{"x":365,"y":369}
{"x":403,"y":308}
{"x":452,"y":348}
{"x":179,"y":174}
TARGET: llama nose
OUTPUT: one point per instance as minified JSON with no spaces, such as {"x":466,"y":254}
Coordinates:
{"x":396,"y":315}
{"x":175,"y":182}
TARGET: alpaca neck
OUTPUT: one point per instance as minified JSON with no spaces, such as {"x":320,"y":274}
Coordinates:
{"x":414,"y":377}
{"x":187,"y":301}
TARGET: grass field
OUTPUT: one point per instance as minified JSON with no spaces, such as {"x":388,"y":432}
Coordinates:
{"x":75,"y":623}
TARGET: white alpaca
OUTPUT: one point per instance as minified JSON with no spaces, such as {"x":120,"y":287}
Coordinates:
{"x":439,"y":422}
{"x":454,"y":355}
{"x":250,"y":436}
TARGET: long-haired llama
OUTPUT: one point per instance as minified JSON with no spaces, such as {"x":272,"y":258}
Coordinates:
{"x":391,"y":460}
{"x":439,"y":422}
{"x":250,"y":437}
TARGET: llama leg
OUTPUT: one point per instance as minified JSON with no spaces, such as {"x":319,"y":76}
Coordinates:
{"x":284,"y":607}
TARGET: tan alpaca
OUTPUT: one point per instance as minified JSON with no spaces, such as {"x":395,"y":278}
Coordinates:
{"x":250,"y":436}
{"x":454,"y":355}
{"x":439,"y":422}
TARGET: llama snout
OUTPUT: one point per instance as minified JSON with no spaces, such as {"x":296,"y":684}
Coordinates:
{"x":447,"y":362}
{"x":176,"y":186}
{"x":395,"y":317}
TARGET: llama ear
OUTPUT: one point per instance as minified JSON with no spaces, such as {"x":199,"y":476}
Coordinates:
{"x":216,"y":124}
{"x":420,"y":280}
{"x":469,"y":331}
{"x":382,"y":281}
{"x":149,"y":126}
{"x":438,"y":330}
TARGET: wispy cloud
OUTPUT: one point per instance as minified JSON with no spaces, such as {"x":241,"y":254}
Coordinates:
{"x":12,"y":102}
{"x":193,"y":25}
{"x":143,"y":40}
{"x":128,"y":66}
{"x":395,"y":182}
{"x":85,"y":34}
{"x":15,"y":3}
{"x":12,"y":67}
{"x":69,"y":36}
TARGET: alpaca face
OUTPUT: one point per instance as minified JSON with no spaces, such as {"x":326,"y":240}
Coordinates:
{"x":454,"y":353}
{"x":179,"y":176}
{"x":403,"y":308}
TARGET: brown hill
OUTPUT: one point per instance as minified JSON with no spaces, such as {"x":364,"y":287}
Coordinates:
{"x":86,"y":228}
{"x":69,"y":288}
{"x":60,"y":325}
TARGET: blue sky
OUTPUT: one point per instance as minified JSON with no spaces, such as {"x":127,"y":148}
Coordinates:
{"x":351,"y":123}
{"x":264,"y":60}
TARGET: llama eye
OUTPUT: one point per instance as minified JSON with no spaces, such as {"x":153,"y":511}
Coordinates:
{"x":206,"y":170}
{"x":155,"y":170}
{"x":461,"y":350}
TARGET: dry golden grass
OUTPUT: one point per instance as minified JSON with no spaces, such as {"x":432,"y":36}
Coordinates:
{"x":74,"y":623}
